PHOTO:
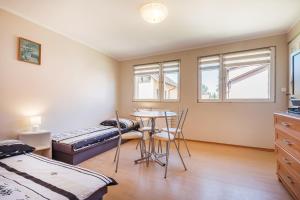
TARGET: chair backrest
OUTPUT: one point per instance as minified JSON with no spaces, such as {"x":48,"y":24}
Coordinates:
{"x":185,"y":112}
{"x":180,"y":116}
{"x":167,"y":124}
{"x":118,"y":123}
{"x":160,"y":122}
{"x":143,"y":119}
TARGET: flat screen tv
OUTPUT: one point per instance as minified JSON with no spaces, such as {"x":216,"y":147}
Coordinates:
{"x":296,"y":78}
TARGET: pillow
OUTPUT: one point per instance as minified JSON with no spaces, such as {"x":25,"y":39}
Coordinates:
{"x":9,"y":148}
{"x":109,"y":122}
{"x":124,"y":123}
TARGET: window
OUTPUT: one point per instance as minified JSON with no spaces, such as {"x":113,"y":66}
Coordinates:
{"x":170,"y":80}
{"x":240,"y":76}
{"x":146,"y":82}
{"x":155,"y":82}
{"x":145,"y":79}
{"x":209,"y":76}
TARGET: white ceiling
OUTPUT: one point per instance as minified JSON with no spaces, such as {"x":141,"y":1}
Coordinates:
{"x":115,"y":27}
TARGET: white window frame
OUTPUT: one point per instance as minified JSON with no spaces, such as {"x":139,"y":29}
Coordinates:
{"x":222,"y":80}
{"x":161,"y":83}
{"x":199,"y":79}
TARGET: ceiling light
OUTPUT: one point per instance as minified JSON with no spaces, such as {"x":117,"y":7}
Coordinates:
{"x":154,"y":12}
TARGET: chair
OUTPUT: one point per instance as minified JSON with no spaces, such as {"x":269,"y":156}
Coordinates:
{"x":145,"y":124}
{"x":179,"y":130}
{"x":168,"y":137}
{"x":127,"y":136}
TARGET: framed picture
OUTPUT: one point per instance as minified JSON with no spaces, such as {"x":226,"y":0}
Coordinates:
{"x":29,"y":51}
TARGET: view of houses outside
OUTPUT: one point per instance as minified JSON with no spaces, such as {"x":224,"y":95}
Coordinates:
{"x":171,"y":86}
{"x":249,"y":82}
{"x":246,"y":82}
{"x":147,"y":86}
{"x":210,"y":84}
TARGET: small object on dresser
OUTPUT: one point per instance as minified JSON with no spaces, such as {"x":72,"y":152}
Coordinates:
{"x":295,"y":110}
{"x":40,"y":140}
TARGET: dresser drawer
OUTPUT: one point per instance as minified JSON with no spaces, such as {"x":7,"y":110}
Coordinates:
{"x":289,"y":162}
{"x":290,"y":180}
{"x":287,"y":122}
{"x":288,"y":143}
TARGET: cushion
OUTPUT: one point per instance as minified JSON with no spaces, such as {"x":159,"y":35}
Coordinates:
{"x":132,"y":135}
{"x":164,"y":136}
{"x":109,"y":122}
{"x":171,"y":130}
{"x":9,"y":148}
{"x":124,"y":123}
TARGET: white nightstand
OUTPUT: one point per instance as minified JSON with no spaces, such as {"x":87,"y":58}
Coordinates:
{"x":40,"y":139}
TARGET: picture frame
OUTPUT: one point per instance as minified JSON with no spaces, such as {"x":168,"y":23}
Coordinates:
{"x":29,"y":51}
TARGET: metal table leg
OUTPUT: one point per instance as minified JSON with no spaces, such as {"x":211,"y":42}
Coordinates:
{"x":152,"y":155}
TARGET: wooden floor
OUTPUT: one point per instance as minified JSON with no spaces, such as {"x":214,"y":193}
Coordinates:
{"x":214,"y":172}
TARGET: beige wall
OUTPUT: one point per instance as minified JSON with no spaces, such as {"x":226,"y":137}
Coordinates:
{"x":75,"y":86}
{"x":249,"y":124}
{"x":294,"y":32}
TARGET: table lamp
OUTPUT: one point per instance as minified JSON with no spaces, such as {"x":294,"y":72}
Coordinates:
{"x":35,"y":122}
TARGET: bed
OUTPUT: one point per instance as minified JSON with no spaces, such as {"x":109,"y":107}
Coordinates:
{"x":74,"y":147}
{"x":32,"y":177}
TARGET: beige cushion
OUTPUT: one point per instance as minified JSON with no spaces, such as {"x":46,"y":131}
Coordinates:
{"x":146,"y":128}
{"x":163,"y":136}
{"x":171,"y":130}
{"x":132,"y":135}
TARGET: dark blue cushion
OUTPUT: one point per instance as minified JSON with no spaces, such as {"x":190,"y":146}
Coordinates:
{"x":9,"y":148}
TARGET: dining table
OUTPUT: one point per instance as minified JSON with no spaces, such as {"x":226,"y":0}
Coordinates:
{"x":152,"y":115}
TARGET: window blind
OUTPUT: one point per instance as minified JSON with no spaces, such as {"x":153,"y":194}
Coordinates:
{"x":246,"y":58}
{"x":171,"y":67}
{"x":209,"y":62}
{"x":150,"y":69}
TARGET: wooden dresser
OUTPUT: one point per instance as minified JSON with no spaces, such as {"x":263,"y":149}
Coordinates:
{"x":287,"y":148}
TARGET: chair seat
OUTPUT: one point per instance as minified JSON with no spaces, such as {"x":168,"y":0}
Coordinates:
{"x":145,"y":128}
{"x":163,"y":136}
{"x":132,"y":135}
{"x":171,"y":130}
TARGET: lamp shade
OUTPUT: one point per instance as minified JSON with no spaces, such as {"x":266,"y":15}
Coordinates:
{"x":154,"y":12}
{"x":35,"y":120}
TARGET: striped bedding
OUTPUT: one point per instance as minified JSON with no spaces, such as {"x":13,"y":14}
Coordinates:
{"x":75,"y":140}
{"x":33,"y":177}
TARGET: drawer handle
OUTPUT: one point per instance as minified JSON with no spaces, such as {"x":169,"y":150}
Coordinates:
{"x":287,"y":161}
{"x":290,"y":179}
{"x":285,"y":124}
{"x":287,"y":142}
